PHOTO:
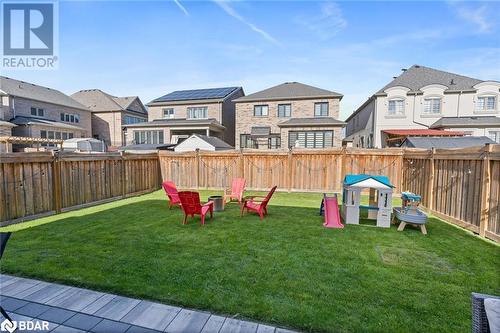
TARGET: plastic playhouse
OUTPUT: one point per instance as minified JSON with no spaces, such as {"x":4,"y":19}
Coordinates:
{"x":330,"y":210}
{"x":380,"y":199}
{"x":409,"y":213}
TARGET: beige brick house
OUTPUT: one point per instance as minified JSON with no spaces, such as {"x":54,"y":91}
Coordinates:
{"x":30,"y":110}
{"x":291,"y":114}
{"x":110,"y":114}
{"x":180,"y":114}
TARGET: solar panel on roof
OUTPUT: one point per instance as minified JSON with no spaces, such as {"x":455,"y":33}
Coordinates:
{"x":197,"y":94}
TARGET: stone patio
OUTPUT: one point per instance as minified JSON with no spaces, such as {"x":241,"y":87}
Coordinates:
{"x":73,"y":310}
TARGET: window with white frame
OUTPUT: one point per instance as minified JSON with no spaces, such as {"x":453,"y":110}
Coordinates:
{"x":37,"y":112}
{"x":260,"y":110}
{"x":284,"y":110}
{"x":396,"y":107}
{"x":198,"y":112}
{"x":494,"y":135}
{"x":168,"y":113}
{"x":148,"y":137}
{"x":70,"y":118}
{"x":310,"y":139}
{"x":133,"y":120}
{"x":486,"y":103}
{"x":432,"y":105}
{"x":321,"y":109}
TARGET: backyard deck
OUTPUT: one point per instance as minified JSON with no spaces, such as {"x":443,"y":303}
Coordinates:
{"x":287,"y":271}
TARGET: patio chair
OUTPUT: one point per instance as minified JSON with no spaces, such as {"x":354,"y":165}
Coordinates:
{"x":191,"y":205}
{"x":236,"y":190}
{"x":172,"y":193}
{"x":257,"y":203}
{"x":480,"y":322}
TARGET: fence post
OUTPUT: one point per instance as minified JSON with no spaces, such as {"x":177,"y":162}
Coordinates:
{"x":242,"y":164}
{"x":123,"y":174}
{"x":197,"y":168}
{"x":56,"y":183}
{"x":485,"y":191}
{"x":342,"y":173}
{"x":290,"y":169}
{"x":430,"y":184}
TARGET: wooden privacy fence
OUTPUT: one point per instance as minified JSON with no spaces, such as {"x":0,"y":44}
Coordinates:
{"x":461,"y":186}
{"x":34,"y":184}
{"x":295,"y":170}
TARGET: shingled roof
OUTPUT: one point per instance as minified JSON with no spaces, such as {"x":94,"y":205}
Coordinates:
{"x":32,"y":91}
{"x":99,"y":101}
{"x":418,"y":76}
{"x":466,"y":122}
{"x":287,"y":91}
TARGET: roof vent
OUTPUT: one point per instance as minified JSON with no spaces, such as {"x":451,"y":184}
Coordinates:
{"x":417,"y":66}
{"x":404,"y":69}
{"x":452,"y":82}
{"x":394,"y":77}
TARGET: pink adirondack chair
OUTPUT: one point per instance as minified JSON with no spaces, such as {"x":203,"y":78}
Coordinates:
{"x":172,"y":193}
{"x":191,"y":205}
{"x":236,"y":190}
{"x":257,"y":203}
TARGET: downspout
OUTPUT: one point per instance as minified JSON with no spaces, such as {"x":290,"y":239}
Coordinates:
{"x":373,"y":123}
{"x":458,"y":103}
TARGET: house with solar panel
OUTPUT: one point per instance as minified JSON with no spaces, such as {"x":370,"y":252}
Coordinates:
{"x":179,"y":114}
{"x":111,"y":113}
{"x":291,"y":114}
{"x":426,"y":102}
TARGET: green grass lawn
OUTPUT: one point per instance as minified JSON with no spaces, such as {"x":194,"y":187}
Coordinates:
{"x":287,"y":270}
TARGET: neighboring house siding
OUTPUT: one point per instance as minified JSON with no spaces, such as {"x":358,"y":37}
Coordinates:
{"x":52,"y":112}
{"x":106,"y":126}
{"x":6,"y":108}
{"x":303,"y":108}
{"x":360,"y":127}
{"x":214,"y":110}
{"x":229,"y":117}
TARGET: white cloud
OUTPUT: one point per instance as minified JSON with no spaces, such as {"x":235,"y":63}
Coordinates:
{"x":232,"y":12}
{"x":328,"y":23}
{"x":178,"y":3}
{"x":477,"y":16}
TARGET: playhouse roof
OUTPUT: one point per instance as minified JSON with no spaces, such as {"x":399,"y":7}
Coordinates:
{"x":355,"y":179}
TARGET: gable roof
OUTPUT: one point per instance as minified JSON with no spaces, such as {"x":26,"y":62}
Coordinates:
{"x":443,"y":142}
{"x":354,"y":179}
{"x":289,"y":90}
{"x":417,"y":77}
{"x":99,"y":101}
{"x":214,"y":141}
{"x":211,"y":94}
{"x":482,"y":121}
{"x":32,"y":91}
{"x":421,"y":132}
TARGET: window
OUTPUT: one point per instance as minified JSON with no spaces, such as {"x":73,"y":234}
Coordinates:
{"x":274,"y":142}
{"x":260,"y":110}
{"x":197,"y":112}
{"x":320,"y":109}
{"x":396,"y":107}
{"x":37,"y":112}
{"x":70,"y":118}
{"x":432,"y":105}
{"x":486,"y":103}
{"x":148,"y":137}
{"x":168,"y":113}
{"x":43,"y":134}
{"x":284,"y":110}
{"x":70,"y":135}
{"x":132,"y":120}
{"x":494,"y":135}
{"x":246,"y":141}
{"x":310,"y":139}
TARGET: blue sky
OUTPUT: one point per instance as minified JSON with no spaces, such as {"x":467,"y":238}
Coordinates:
{"x":150,"y":48}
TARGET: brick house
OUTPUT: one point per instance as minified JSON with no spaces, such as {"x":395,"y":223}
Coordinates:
{"x":30,"y":110}
{"x":291,"y":114}
{"x":180,"y":114}
{"x":110,"y":114}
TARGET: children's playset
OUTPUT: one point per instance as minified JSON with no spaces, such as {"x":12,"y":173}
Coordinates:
{"x":380,"y":199}
{"x":409,"y":213}
{"x":330,"y":209}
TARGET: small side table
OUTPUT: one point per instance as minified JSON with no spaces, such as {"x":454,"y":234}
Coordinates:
{"x":218,"y":201}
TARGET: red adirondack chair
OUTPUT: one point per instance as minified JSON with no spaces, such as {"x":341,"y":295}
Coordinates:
{"x":236,"y":190}
{"x":191,"y":205}
{"x":172,"y":193}
{"x":257,"y":203}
